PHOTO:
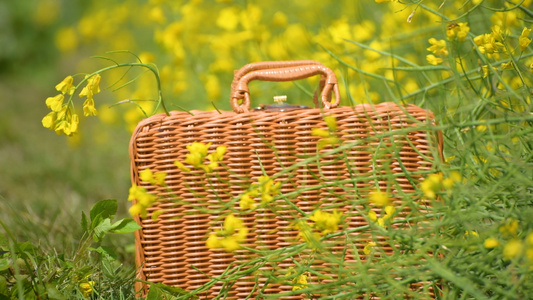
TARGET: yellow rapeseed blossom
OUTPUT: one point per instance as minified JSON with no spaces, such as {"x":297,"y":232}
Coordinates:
{"x":432,"y":185}
{"x":247,"y":200}
{"x":379,"y":198}
{"x":197,"y":155}
{"x":326,"y":222}
{"x":230,"y":237}
{"x":387,"y":215}
{"x":86,"y":288}
{"x":438,"y":47}
{"x":491,"y":44}
{"x":61,"y":121}
{"x":433,"y":60}
{"x":457,"y":31}
{"x":491,"y":243}
{"x":92,"y":88}
{"x":265,"y":187}
{"x":512,"y":249}
{"x":300,"y":282}
{"x":55,"y":103}
{"x":144,"y":200}
{"x":509,"y":227}
{"x":158,"y":178}
{"x":368,"y":247}
{"x":523,"y":40}
{"x":66,"y":86}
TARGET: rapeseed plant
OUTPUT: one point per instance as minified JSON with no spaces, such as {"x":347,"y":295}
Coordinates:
{"x":481,"y":98}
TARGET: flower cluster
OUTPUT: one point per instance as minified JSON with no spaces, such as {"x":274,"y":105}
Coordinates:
{"x":438,"y":48}
{"x":230,"y":237}
{"x":434,"y":183}
{"x":381,"y":199}
{"x":144,"y":199}
{"x":457,"y":31}
{"x":266,"y":188}
{"x":323,"y":223}
{"x":197,"y":155}
{"x":491,"y":44}
{"x":92,"y":88}
{"x":299,"y":281}
{"x":61,"y":119}
{"x":514,"y":247}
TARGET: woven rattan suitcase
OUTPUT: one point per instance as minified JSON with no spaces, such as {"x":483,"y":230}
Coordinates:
{"x":377,"y":147}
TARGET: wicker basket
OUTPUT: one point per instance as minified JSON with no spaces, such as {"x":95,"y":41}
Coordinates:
{"x":385,"y":145}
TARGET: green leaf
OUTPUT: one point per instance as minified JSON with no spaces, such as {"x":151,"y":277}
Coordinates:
{"x":104,"y":208}
{"x":106,"y":252}
{"x":101,"y":230}
{"x":125,"y":226}
{"x":54,"y":293}
{"x":155,"y":293}
{"x":84,"y":222}
{"x":4,"y":264}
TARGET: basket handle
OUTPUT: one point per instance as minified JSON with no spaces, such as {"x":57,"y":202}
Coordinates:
{"x":283,"y":71}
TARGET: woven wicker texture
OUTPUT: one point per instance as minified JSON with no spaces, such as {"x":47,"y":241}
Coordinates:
{"x":386,"y":146}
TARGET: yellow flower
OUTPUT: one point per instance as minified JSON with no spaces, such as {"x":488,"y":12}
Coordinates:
{"x":228,"y":18}
{"x":389,"y":211}
{"x":49,"y":120}
{"x":523,"y":40}
{"x":230,"y":237}
{"x":510,"y":227}
{"x":491,"y":44}
{"x":379,"y":198}
{"x":197,"y":154}
{"x":268,"y":189}
{"x":88,"y":107}
{"x":491,"y":243}
{"x":66,"y":39}
{"x":470,"y":233}
{"x":331,"y":121}
{"x":319,"y":132}
{"x":159,"y":178}
{"x":66,"y":86}
{"x":144,"y":200}
{"x":147,"y":175}
{"x":55,"y":103}
{"x":438,"y":47}
{"x":92,"y":87}
{"x":512,"y":249}
{"x":86,"y":288}
{"x":433,"y":60}
{"x":326,"y":222}
{"x":457,"y":31}
{"x":247,"y":201}
{"x":431,"y":185}
{"x":181,"y":166}
{"x":300,"y":282}
{"x":372,"y":216}
{"x":529,"y":239}
{"x":368,"y":247}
